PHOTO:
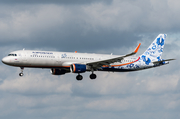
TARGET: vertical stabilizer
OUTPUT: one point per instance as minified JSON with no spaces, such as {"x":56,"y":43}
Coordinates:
{"x":154,"y":51}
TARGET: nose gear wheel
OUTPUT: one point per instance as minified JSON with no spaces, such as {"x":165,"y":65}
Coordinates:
{"x":21,"y":74}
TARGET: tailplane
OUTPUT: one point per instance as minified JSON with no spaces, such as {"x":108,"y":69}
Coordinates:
{"x":155,"y":50}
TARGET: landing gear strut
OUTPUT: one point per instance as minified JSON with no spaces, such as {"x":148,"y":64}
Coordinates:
{"x":21,"y":74}
{"x":92,"y":76}
{"x":79,"y":77}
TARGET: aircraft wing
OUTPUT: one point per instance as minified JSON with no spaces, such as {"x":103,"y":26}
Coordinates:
{"x":98,"y":64}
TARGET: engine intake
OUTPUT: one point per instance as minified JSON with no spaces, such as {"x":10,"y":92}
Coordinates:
{"x":78,"y":68}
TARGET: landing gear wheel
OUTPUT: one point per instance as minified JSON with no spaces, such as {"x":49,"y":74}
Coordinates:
{"x":79,"y":77}
{"x":21,"y":74}
{"x":92,"y":76}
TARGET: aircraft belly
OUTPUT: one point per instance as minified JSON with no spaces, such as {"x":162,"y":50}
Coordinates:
{"x":126,"y":68}
{"x":129,"y":68}
{"x":41,"y":63}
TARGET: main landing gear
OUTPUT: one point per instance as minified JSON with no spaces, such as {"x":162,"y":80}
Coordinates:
{"x":93,"y":76}
{"x":80,"y":77}
{"x":21,"y":74}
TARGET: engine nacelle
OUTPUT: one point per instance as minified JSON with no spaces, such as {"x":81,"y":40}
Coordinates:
{"x":57,"y":71}
{"x":78,"y":68}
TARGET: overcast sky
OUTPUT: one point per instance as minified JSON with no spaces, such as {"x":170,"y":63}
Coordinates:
{"x":94,"y":26}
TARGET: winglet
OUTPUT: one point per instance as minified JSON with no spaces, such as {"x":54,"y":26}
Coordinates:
{"x":136,"y":50}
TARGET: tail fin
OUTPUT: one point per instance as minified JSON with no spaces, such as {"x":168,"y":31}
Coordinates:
{"x":154,"y":52}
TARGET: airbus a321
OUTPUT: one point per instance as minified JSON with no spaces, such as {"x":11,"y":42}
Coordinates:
{"x":61,"y":63}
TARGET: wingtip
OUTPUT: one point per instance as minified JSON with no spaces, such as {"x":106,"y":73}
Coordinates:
{"x":136,"y":50}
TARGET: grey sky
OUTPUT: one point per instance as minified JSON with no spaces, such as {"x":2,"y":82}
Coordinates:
{"x":53,"y":1}
{"x":111,"y":26}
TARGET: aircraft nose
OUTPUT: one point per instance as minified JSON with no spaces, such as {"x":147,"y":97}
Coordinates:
{"x":5,"y":60}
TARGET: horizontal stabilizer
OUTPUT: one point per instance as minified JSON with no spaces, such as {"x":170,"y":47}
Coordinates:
{"x":157,"y":62}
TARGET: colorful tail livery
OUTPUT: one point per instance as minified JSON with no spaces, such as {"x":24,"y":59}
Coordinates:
{"x":61,"y":63}
{"x":151,"y":57}
{"x":155,"y":50}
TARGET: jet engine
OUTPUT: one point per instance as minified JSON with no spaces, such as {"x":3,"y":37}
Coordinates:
{"x":57,"y":71}
{"x":78,"y":68}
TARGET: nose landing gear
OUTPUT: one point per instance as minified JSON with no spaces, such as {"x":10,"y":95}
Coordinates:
{"x":21,"y":74}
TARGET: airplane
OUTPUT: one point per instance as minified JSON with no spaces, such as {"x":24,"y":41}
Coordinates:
{"x":61,"y":63}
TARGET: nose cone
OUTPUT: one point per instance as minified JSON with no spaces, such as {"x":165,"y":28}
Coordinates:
{"x":5,"y":60}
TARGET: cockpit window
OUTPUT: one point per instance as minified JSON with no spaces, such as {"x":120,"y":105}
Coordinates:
{"x":12,"y":54}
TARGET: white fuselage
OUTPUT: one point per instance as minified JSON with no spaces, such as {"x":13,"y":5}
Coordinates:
{"x":60,"y":63}
{"x":49,"y":59}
